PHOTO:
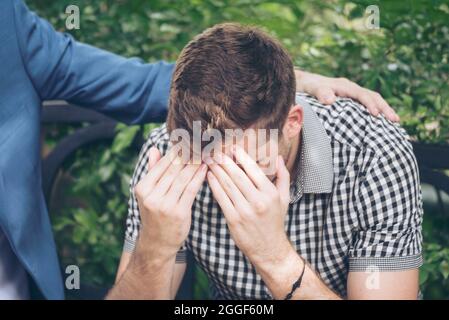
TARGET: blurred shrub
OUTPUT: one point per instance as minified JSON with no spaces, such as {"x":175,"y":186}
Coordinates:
{"x":406,"y":60}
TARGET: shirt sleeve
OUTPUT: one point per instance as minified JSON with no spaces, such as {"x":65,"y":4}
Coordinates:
{"x":390,"y":215}
{"x":59,"y":67}
{"x":133,"y":218}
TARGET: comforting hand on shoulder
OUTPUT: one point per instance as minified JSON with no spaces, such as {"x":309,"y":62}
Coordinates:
{"x":327,"y":89}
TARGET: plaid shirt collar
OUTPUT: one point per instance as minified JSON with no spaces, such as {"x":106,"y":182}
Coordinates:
{"x":315,"y":171}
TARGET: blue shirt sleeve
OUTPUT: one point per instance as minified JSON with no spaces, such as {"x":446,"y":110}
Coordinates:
{"x":61,"y":68}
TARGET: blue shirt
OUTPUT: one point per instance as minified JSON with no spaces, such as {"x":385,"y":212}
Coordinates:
{"x":38,"y":63}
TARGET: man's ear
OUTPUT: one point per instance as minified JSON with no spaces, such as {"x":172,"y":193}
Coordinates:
{"x":293,"y":124}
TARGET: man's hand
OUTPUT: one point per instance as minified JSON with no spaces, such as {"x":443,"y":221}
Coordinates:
{"x":165,"y":197}
{"x":255,"y":211}
{"x":253,"y":206}
{"x":327,"y":89}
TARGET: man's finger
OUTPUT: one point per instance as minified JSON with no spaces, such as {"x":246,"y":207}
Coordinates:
{"x":229,"y":187}
{"x":142,"y":189}
{"x":363,"y":96}
{"x":239,"y":177}
{"x":384,"y":107}
{"x":283,"y":181}
{"x":161,"y":188}
{"x":149,"y":181}
{"x":368,"y":101}
{"x":251,"y":168}
{"x":326,"y":95}
{"x":177,"y":188}
{"x":153,"y":157}
{"x":192,"y":188}
{"x":222,"y":198}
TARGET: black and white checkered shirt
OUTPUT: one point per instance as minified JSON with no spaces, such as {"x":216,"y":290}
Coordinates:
{"x":355,"y":204}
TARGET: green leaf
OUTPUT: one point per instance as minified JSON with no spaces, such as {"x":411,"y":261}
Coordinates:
{"x":124,"y":138}
{"x":445,"y":269}
{"x":423,"y":277}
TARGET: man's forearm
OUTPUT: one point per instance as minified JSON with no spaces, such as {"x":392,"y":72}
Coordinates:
{"x":145,"y":278}
{"x":281,"y":275}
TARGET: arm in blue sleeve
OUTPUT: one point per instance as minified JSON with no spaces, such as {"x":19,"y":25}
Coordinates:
{"x":62,"y":68}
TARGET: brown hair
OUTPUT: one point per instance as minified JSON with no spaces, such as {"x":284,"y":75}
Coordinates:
{"x":231,"y":76}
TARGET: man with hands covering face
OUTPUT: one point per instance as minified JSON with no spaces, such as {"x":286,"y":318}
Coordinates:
{"x":254,"y":207}
{"x":343,"y":204}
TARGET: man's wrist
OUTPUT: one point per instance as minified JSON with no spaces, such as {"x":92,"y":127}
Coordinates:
{"x":149,"y":254}
{"x":279,"y":274}
{"x":147,"y":276}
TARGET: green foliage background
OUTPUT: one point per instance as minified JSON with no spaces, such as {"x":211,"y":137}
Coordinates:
{"x":406,"y":60}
